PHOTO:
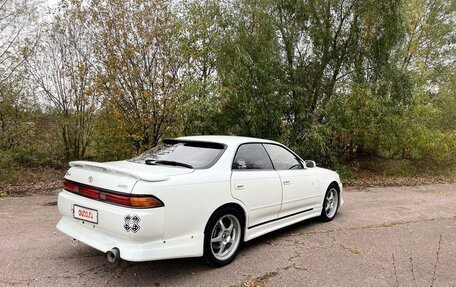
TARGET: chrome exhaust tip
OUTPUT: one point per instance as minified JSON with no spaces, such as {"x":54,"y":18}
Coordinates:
{"x":113,"y":255}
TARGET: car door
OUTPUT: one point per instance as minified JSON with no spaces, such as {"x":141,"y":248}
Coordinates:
{"x":255,"y":182}
{"x":299,"y":185}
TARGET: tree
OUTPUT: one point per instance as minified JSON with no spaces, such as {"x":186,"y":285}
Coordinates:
{"x":249,"y":72}
{"x":333,"y":79}
{"x":62,"y":73}
{"x":138,"y":66}
{"x":287,"y":70}
{"x":15,"y":29}
{"x":200,"y":39}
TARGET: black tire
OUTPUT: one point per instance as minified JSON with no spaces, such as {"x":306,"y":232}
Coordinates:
{"x":330,"y":214}
{"x":213,"y":228}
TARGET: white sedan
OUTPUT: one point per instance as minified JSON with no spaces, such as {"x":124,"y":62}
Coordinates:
{"x":193,"y":196}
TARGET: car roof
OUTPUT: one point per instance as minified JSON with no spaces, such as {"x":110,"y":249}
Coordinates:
{"x":223,"y":139}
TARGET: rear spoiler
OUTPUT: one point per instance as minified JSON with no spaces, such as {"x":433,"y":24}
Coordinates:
{"x":106,"y":167}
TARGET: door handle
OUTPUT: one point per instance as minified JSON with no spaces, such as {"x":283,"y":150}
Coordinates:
{"x":239,"y":186}
{"x":286,"y":182}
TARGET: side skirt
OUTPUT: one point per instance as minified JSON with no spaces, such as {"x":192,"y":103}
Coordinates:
{"x":269,"y":226}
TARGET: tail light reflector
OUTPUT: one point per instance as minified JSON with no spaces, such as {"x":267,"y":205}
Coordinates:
{"x":144,"y":201}
{"x":135,"y":201}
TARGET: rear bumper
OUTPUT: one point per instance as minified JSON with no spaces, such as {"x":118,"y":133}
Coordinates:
{"x":144,"y":245}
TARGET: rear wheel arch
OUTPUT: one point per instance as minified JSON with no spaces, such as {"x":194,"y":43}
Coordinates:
{"x":233,"y":205}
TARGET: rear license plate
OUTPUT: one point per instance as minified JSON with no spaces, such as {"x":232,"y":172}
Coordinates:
{"x":84,"y":213}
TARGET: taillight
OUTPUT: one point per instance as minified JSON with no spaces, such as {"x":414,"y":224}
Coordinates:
{"x":135,"y":201}
{"x":117,"y":199}
{"x":144,"y":201}
{"x":89,"y":192}
{"x":70,"y":186}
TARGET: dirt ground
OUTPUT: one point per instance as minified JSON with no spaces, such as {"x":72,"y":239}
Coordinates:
{"x":384,"y":236}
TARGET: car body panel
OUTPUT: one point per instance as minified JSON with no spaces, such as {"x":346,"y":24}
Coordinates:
{"x":260,"y":191}
{"x":300,"y":190}
{"x":187,"y":207}
{"x":190,"y":197}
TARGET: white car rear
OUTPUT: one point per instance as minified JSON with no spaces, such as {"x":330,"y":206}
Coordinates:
{"x":193,"y":196}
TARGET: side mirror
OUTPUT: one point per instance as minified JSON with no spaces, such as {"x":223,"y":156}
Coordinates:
{"x":310,"y":164}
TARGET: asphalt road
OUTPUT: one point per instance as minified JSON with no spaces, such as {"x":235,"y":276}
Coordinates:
{"x":396,"y":236}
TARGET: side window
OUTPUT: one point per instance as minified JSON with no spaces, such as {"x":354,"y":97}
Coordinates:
{"x":282,"y":158}
{"x":251,"y":156}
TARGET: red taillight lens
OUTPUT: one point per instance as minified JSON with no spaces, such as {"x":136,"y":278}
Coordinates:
{"x":70,"y":186}
{"x":89,"y":192}
{"x":137,"y":201}
{"x":117,"y":199}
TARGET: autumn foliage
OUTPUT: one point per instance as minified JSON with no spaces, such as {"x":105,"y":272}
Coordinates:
{"x":336,"y":80}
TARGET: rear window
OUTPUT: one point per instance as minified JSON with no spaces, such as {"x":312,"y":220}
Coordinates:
{"x":197,"y":154}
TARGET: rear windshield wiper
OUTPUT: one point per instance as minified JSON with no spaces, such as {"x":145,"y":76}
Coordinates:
{"x":168,"y":162}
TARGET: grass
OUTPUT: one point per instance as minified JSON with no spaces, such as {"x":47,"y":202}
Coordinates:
{"x":30,"y":180}
{"x":395,"y":172}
